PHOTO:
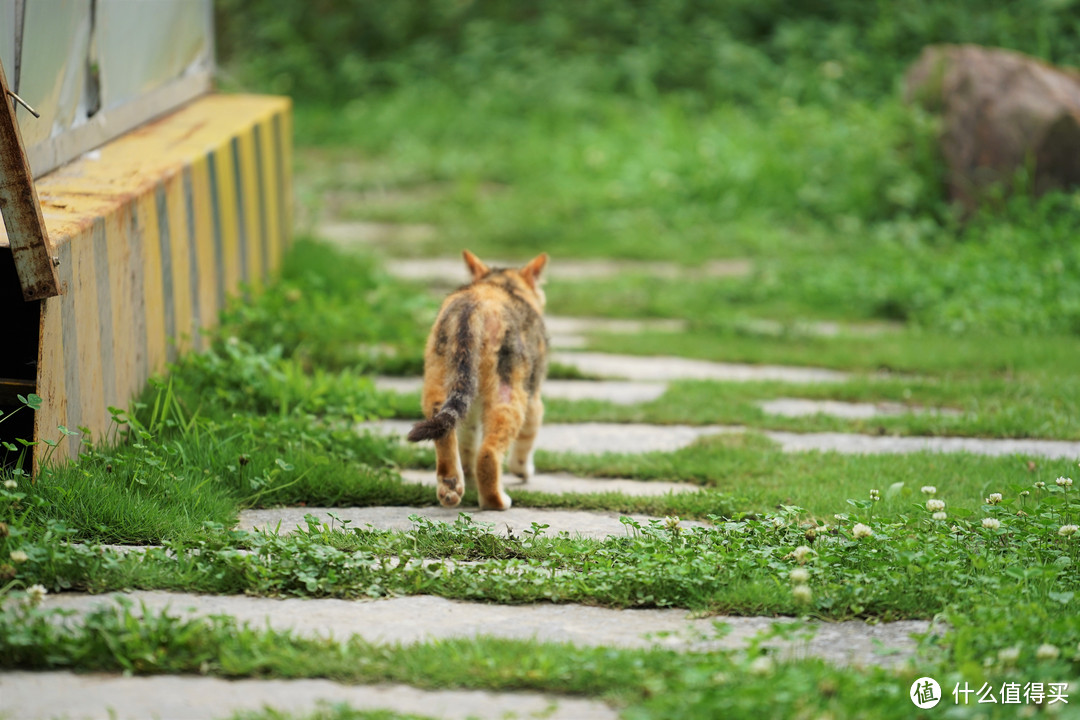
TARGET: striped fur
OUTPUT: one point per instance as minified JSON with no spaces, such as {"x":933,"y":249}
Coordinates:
{"x":485,"y":360}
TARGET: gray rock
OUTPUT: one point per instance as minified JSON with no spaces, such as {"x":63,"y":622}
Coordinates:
{"x":1001,"y":111}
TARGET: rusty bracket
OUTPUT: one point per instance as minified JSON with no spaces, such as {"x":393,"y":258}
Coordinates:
{"x":30,"y":245}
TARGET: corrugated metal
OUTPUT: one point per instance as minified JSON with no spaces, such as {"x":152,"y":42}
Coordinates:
{"x":140,"y":46}
{"x":7,"y":38}
{"x":56,"y":38}
{"x":146,"y":56}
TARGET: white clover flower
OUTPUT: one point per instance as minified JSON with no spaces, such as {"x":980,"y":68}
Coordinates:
{"x":991,"y":523}
{"x":935,"y":505}
{"x":1064,"y":482}
{"x":18,"y":556}
{"x":761,"y":666}
{"x":802,"y":593}
{"x":860,"y":531}
{"x":799,"y":576}
{"x":940,"y":515}
{"x":35,"y":594}
{"x":1009,"y":655}
{"x":1047,"y":651}
{"x":801,"y":553}
{"x":994,"y":499}
{"x":929,"y":490}
{"x":875,"y":495}
{"x":10,"y":484}
{"x":1067,"y":530}
{"x":1025,"y":493}
{"x":1040,"y":485}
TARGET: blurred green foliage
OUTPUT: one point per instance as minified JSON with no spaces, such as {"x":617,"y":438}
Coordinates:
{"x":721,"y":49}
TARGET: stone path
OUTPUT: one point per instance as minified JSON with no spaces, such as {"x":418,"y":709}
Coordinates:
{"x":516,"y":520}
{"x":798,"y":407}
{"x":635,"y":367}
{"x":619,"y":392}
{"x":593,"y":438}
{"x":36,"y":696}
{"x":599,"y":438}
{"x":450,"y":271}
{"x":565,"y":483}
{"x":421,"y":618}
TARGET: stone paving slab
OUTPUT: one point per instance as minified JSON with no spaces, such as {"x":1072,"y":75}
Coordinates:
{"x":35,"y":696}
{"x":616,"y":391}
{"x":799,"y":407}
{"x":576,"y":523}
{"x":423,"y":617}
{"x":597,"y":438}
{"x":564,"y":483}
{"x":363,"y":232}
{"x":635,"y":367}
{"x":851,"y":444}
{"x":451,"y":270}
{"x":593,"y":438}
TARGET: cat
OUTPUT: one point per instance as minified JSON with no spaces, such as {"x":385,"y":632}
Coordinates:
{"x":484,"y":363}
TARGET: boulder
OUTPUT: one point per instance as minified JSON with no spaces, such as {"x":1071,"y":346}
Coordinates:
{"x":1001,"y":111}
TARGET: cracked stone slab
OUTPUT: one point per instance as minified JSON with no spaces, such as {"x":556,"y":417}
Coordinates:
{"x":819,"y":328}
{"x":576,"y":523}
{"x":799,"y":407}
{"x":99,"y":696}
{"x":616,"y":391}
{"x":593,"y":438}
{"x":563,"y":483}
{"x":451,"y":270}
{"x":363,"y":232}
{"x":597,"y":438}
{"x":577,"y":325}
{"x":635,"y":367}
{"x":422,"y":618}
{"x":851,"y":444}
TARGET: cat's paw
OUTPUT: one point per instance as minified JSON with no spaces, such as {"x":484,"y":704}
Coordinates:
{"x":523,"y":469}
{"x":450,"y":491}
{"x":504,"y":502}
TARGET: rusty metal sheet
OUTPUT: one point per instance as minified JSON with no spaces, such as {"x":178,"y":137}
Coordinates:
{"x":28,"y":239}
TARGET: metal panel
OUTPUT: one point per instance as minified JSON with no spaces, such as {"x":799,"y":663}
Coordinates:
{"x":148,"y":57}
{"x":56,"y":38}
{"x":141,"y":46}
{"x":7,"y":38}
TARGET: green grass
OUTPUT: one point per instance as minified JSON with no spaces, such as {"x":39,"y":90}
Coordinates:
{"x":653,"y":683}
{"x":984,"y":407}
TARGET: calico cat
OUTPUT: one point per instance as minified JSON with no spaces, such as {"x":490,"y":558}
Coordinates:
{"x":485,"y":360}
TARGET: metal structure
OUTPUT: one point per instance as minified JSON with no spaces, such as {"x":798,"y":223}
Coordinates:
{"x":135,"y":206}
{"x":95,"y":69}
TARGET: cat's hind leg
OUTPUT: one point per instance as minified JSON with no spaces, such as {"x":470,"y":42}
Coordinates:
{"x":502,"y":422}
{"x":520,"y":461}
{"x":449,"y":478}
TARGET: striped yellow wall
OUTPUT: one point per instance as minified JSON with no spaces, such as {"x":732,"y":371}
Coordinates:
{"x":154,"y":232}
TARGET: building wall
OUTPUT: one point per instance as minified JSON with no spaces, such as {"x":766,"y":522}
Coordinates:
{"x":155,"y":232}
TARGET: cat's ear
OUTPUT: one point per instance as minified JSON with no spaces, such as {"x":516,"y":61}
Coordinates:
{"x":531,"y":272}
{"x":476,"y":266}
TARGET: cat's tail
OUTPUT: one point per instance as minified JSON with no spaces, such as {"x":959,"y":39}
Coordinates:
{"x":462,"y":360}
